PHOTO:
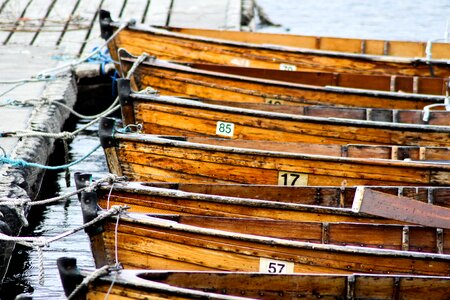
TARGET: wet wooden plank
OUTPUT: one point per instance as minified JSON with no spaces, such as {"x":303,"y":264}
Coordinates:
{"x":74,"y":41}
{"x":32,"y":22}
{"x":11,"y":12}
{"x":206,"y":14}
{"x":93,"y":39}
{"x":58,"y":22}
{"x":158,"y":12}
{"x":400,"y":208}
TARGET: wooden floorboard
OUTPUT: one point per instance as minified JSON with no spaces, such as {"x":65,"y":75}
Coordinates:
{"x":10,"y":17}
{"x":57,"y":23}
{"x":74,"y":41}
{"x":94,"y":40}
{"x":32,"y":22}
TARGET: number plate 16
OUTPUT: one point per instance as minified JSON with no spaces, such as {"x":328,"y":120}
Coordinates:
{"x":274,"y":266}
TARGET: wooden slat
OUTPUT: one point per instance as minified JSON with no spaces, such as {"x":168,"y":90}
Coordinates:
{"x":134,"y":9}
{"x":73,"y":41}
{"x":11,"y":13}
{"x":401,"y":208}
{"x":93,"y":39}
{"x":158,"y":12}
{"x":61,"y":13}
{"x":206,"y":14}
{"x":33,"y":22}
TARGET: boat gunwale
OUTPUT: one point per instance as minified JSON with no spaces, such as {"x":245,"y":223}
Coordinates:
{"x":176,"y":101}
{"x":169,"y":65}
{"x":144,"y":219}
{"x":152,"y":191}
{"x":174,"y":141}
{"x":135,"y":278}
{"x":363,"y":57}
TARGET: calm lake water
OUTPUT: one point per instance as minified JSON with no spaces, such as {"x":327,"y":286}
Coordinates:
{"x":381,"y":19}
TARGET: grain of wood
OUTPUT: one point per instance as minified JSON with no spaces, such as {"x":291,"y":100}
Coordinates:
{"x":58,"y":20}
{"x":93,"y":39}
{"x":33,"y":21}
{"x":73,"y":41}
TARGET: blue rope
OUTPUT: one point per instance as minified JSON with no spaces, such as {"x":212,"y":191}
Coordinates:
{"x":102,"y":57}
{"x":114,"y":83}
{"x":23,"y":163}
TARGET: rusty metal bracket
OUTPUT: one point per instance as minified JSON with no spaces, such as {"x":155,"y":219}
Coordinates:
{"x":351,"y":287}
{"x":124,"y":91}
{"x":106,"y":132}
{"x":70,"y":276}
{"x":89,"y":208}
{"x":106,"y":29}
{"x":82,"y":180}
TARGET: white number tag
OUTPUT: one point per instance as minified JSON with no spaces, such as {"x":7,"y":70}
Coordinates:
{"x":241,"y":62}
{"x":273,"y":101}
{"x":288,"y":67}
{"x":292,"y":179}
{"x":224,"y":128}
{"x":275,"y":266}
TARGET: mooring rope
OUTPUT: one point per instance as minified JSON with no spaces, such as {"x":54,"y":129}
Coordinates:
{"x":105,"y":270}
{"x":94,"y":53}
{"x":65,"y":134}
{"x":111,"y":178}
{"x":24,"y":164}
{"x":39,"y":242}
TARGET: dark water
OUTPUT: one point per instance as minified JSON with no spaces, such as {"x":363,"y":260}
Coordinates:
{"x":381,"y":19}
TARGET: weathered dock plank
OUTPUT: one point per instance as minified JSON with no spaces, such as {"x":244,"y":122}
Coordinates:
{"x":73,"y":41}
{"x":21,"y":181}
{"x":93,"y":39}
{"x":32,"y":22}
{"x":10,"y":15}
{"x":57,"y":23}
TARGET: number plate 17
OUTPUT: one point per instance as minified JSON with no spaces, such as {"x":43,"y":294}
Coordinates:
{"x":292,"y":179}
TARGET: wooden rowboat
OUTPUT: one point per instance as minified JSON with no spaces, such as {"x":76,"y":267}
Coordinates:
{"x":162,"y":201}
{"x":142,"y":241}
{"x":133,"y":284}
{"x":184,"y":197}
{"x":316,"y":224}
{"x":144,"y":157}
{"x":387,"y":83}
{"x":219,"y":47}
{"x":179,"y":80}
{"x":177,"y":116}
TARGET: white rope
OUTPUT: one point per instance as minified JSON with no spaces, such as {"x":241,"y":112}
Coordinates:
{"x":110,"y":178}
{"x":48,"y":101}
{"x":65,"y":67}
{"x":136,"y":63}
{"x":94,"y":275}
{"x":42,"y":242}
{"x":65,"y":134}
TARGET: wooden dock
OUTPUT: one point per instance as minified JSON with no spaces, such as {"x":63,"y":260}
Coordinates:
{"x":37,"y":35}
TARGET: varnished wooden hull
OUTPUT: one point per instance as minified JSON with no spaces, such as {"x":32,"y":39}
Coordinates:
{"x":178,"y":80}
{"x":137,"y":193}
{"x":176,"y":116}
{"x":151,"y":158}
{"x":149,"y":242}
{"x":387,"y":83}
{"x":180,"y":46}
{"x":317,"y":224}
{"x":130,"y":284}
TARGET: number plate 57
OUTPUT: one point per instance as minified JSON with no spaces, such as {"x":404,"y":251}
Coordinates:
{"x":275,"y":266}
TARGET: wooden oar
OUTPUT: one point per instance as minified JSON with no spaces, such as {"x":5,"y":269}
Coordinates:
{"x":400,"y":208}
